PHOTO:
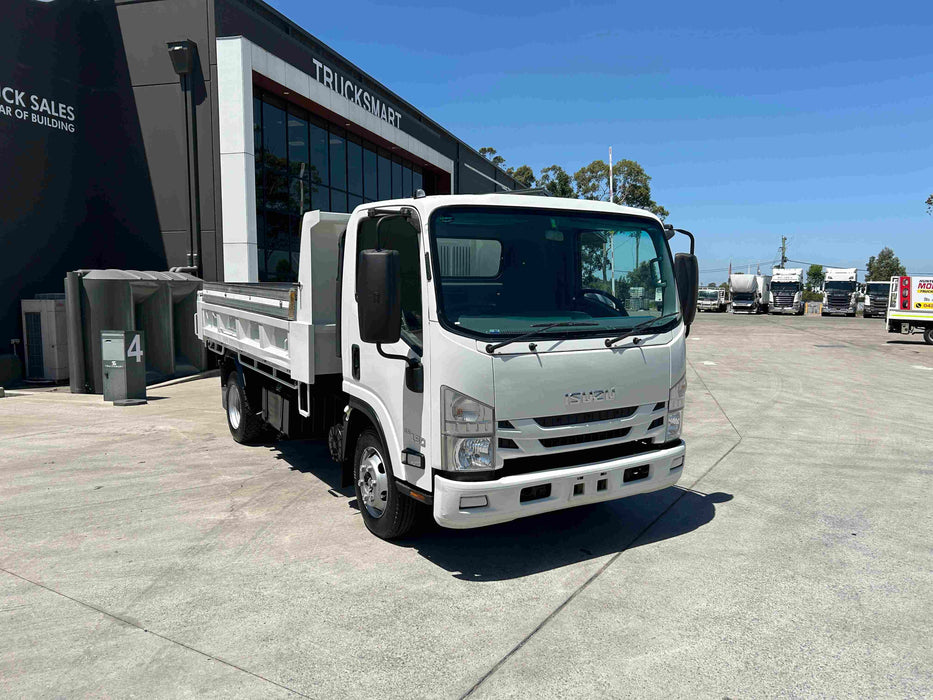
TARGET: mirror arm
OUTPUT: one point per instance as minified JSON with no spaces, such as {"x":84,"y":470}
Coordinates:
{"x":689,"y":235}
{"x":412,"y":361}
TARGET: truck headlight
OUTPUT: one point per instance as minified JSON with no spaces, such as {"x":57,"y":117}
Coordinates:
{"x":675,"y":409}
{"x":468,"y":429}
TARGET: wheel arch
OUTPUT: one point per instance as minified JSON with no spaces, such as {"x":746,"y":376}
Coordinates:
{"x":360,"y":417}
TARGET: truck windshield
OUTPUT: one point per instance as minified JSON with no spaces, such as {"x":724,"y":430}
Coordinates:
{"x":504,"y":270}
{"x":709,"y":294}
{"x":785,"y":286}
{"x":878,"y":288}
{"x":840,"y":286}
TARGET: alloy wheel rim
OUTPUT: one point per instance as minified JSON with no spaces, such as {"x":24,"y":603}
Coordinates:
{"x":234,"y":410}
{"x":373,"y":482}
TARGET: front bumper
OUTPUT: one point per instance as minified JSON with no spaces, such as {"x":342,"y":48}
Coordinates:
{"x":503,"y":495}
{"x":785,"y":309}
{"x":837,"y":311}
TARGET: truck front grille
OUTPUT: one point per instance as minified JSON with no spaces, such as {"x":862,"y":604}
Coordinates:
{"x":585,"y":437}
{"x":783,"y":299}
{"x":563,"y":460}
{"x":591,"y":417}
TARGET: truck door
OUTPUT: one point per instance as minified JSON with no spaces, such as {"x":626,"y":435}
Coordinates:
{"x":378,"y":380}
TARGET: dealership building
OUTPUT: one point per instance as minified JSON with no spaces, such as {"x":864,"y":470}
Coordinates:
{"x":158,"y":134}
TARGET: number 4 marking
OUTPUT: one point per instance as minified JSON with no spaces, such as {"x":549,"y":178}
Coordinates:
{"x":134,"y":350}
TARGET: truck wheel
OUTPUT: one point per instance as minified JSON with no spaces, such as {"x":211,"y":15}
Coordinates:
{"x":245,"y":426}
{"x":385,"y":511}
{"x":928,"y":336}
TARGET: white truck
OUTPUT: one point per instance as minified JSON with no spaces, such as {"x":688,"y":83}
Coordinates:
{"x":750,"y":293}
{"x":713,"y":299}
{"x":474,"y":353}
{"x":840,"y":292}
{"x":877,"y":295}
{"x":787,"y":291}
{"x":910,"y":309}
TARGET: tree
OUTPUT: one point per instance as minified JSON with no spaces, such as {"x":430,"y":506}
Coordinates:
{"x":815,"y":277}
{"x":884,"y":267}
{"x":724,"y":285}
{"x":489,"y":153}
{"x":631,"y":185}
{"x":557,"y":182}
{"x":523,"y":174}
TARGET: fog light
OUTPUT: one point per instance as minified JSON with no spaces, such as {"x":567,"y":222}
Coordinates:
{"x":473,"y":502}
{"x":677,"y":463}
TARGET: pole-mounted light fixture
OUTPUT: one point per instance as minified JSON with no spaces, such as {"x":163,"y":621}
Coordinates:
{"x":182,"y":55}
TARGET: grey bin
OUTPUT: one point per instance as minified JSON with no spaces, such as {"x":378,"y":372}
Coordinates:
{"x":123,"y":358}
{"x":160,"y":304}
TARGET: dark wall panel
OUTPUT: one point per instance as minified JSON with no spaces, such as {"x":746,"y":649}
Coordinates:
{"x":70,"y":199}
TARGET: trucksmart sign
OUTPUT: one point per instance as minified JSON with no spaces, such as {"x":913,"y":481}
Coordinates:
{"x":923,"y":294}
{"x":24,"y":106}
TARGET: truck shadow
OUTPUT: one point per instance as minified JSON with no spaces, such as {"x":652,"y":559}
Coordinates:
{"x":529,"y":545}
{"x":544,"y":542}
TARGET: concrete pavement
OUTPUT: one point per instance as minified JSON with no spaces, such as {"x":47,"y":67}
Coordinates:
{"x":144,"y":553}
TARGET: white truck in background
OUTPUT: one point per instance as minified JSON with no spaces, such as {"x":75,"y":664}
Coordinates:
{"x":910,"y":309}
{"x":713,"y":299}
{"x":840,"y":292}
{"x":456,"y":353}
{"x":750,"y":293}
{"x":787,"y":291}
{"x":877,"y":296}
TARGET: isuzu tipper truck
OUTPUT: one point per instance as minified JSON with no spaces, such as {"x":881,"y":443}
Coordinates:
{"x":474,"y":353}
{"x":787,"y":291}
{"x":713,"y":299}
{"x":750,"y":293}
{"x":910,"y":309}
{"x":877,"y":295}
{"x":840,"y":292}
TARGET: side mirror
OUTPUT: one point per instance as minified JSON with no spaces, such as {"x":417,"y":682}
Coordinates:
{"x":687,"y":274}
{"x":378,"y":296}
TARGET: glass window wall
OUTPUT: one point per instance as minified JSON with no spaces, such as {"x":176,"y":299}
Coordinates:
{"x":305,"y":163}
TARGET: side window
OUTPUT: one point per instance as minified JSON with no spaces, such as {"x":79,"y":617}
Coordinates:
{"x":398,"y":234}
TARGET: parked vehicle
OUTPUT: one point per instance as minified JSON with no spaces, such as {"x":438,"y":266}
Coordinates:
{"x":750,"y":293}
{"x":713,"y":299}
{"x":877,"y":295}
{"x":910,"y":309}
{"x":787,"y":291}
{"x":475,"y":353}
{"x":840,"y":292}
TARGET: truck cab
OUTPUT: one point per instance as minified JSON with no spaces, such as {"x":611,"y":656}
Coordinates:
{"x":787,"y":291}
{"x":840,"y":292}
{"x":876,"y":299}
{"x":498,"y":356}
{"x":712,"y":299}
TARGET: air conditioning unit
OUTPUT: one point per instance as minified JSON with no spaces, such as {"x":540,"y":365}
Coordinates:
{"x":45,"y":334}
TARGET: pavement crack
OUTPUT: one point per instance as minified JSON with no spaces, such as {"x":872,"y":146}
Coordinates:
{"x":715,"y":400}
{"x":583,"y":586}
{"x":132,"y":623}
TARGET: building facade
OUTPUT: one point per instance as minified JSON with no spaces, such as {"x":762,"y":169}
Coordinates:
{"x":120,"y":154}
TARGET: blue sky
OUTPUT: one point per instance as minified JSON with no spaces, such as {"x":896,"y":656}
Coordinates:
{"x":755,"y":120}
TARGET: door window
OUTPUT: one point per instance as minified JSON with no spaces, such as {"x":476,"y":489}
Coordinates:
{"x":398,"y":234}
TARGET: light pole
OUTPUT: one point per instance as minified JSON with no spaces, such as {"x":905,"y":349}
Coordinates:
{"x":184,"y":55}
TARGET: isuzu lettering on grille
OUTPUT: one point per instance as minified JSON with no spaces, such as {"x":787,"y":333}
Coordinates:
{"x":575,"y":397}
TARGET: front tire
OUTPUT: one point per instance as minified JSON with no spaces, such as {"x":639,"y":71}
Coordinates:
{"x":928,"y":336}
{"x":387,"y":514}
{"x":245,"y":426}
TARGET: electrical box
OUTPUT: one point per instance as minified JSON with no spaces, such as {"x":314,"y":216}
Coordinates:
{"x":124,"y":366}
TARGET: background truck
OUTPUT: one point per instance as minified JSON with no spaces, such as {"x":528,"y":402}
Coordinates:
{"x":713,"y":299}
{"x":750,"y":293}
{"x":910,"y":309}
{"x":477,"y":354}
{"x":877,"y":295}
{"x":787,"y":291}
{"x":840,"y":292}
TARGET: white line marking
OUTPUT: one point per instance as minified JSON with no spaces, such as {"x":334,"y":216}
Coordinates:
{"x":928,"y":369}
{"x":707,"y":362}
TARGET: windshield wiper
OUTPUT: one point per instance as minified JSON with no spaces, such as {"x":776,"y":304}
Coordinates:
{"x":637,"y":327}
{"x":540,"y":328}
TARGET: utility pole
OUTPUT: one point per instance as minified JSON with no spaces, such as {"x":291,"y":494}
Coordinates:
{"x":783,"y":251}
